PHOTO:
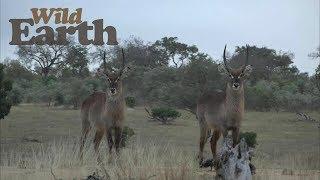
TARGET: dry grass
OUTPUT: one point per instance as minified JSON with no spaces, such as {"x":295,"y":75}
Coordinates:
{"x":137,"y":161}
{"x":146,"y":160}
{"x":288,"y":149}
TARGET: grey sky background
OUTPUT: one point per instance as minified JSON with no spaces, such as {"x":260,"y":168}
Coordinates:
{"x":286,"y":25}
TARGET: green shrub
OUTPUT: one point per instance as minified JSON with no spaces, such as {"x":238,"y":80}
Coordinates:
{"x":16,"y":95}
{"x":59,"y":99}
{"x":130,"y":101}
{"x":5,"y":88}
{"x":164,"y":114}
{"x":126,"y":134}
{"x":250,"y":137}
{"x":261,"y":96}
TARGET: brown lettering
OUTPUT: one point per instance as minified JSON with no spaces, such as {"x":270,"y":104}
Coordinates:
{"x":76,"y":16}
{"x":46,"y":38}
{"x":98,"y":34}
{"x":16,"y":31}
{"x":43,"y":15}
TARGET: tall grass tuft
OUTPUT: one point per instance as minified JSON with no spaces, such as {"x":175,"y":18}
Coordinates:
{"x":137,"y":160}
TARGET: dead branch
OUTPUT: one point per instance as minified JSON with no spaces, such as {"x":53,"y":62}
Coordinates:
{"x":306,"y":118}
{"x":234,"y":162}
{"x":54,"y":176}
{"x":190,"y":110}
{"x":151,"y":116}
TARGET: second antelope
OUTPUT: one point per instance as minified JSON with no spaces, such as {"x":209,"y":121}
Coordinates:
{"x":223,"y":111}
{"x":105,"y":110}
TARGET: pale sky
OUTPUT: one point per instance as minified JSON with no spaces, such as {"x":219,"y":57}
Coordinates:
{"x":286,"y":25}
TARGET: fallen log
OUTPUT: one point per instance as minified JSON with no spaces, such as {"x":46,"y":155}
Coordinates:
{"x":306,"y":118}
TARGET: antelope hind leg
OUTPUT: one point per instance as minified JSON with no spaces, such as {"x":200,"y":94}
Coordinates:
{"x":203,"y":139}
{"x":84,"y":134}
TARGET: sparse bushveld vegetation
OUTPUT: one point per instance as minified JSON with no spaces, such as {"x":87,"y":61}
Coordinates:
{"x":130,"y":101}
{"x":285,"y":145}
{"x":42,"y":133}
{"x":5,"y":88}
{"x":164,"y":115}
{"x":166,"y":72}
{"x":126,"y":134}
{"x":250,"y":137}
{"x":138,"y":160}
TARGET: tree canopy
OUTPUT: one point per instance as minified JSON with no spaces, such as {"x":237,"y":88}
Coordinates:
{"x":166,"y":72}
{"x":5,"y":88}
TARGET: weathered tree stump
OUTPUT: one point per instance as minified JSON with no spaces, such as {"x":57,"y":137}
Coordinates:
{"x":234,"y":163}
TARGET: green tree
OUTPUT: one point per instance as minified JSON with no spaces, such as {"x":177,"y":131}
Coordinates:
{"x":76,"y":91}
{"x":176,"y":51}
{"x":16,"y":94}
{"x":198,"y":76}
{"x":265,"y":61}
{"x":316,"y":56}
{"x":5,"y":88}
{"x":76,"y":62}
{"x":16,"y":71}
{"x":317,"y":77}
{"x":140,"y":54}
{"x":42,"y":58}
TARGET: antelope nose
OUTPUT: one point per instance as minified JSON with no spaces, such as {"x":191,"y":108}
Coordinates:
{"x":236,"y":85}
{"x":113,"y":90}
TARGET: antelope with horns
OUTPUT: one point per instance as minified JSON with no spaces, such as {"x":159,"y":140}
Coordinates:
{"x":105,"y":110}
{"x":220,"y":111}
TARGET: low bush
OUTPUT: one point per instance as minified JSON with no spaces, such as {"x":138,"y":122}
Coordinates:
{"x":250,"y":137}
{"x":165,"y":114}
{"x":126,"y":134}
{"x":16,"y":95}
{"x":130,"y":101}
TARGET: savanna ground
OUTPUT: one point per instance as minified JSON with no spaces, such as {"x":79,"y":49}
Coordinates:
{"x":39,"y":143}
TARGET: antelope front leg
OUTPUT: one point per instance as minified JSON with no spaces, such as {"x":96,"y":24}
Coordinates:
{"x":235,"y":136}
{"x":97,"y":140}
{"x":213,"y":142}
{"x":109,"y":139}
{"x":118,"y":137}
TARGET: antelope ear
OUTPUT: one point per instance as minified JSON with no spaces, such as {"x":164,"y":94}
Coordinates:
{"x":222,"y":69}
{"x":247,"y":71}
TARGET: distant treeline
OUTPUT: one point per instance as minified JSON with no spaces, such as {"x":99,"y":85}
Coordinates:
{"x":166,"y":73}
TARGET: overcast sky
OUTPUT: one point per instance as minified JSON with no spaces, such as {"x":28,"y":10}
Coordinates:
{"x":286,"y":25}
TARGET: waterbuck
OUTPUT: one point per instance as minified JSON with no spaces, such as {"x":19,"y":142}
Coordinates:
{"x":220,"y":111}
{"x":105,"y":110}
